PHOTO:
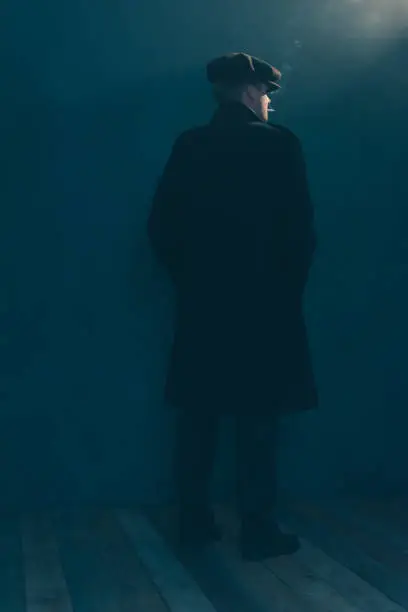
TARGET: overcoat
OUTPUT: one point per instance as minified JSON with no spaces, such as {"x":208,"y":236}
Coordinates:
{"x":232,"y":223}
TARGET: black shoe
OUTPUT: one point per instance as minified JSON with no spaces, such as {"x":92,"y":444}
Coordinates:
{"x":260,"y":542}
{"x":198,"y":530}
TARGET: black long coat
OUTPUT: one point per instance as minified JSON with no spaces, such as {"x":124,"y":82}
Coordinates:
{"x":232,"y":222}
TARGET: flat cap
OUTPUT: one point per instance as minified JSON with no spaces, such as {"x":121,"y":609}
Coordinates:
{"x":241,"y":68}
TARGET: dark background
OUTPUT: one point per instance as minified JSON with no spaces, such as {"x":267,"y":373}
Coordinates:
{"x":85,"y":311}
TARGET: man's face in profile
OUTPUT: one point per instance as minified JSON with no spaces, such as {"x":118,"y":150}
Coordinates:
{"x":258,"y":99}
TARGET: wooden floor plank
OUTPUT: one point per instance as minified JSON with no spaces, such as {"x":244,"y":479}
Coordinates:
{"x":176,"y":585}
{"x":309,"y":585}
{"x":12,"y":586}
{"x":45,"y":586}
{"x":89,"y":579}
{"x":355,"y":590}
{"x":231,"y":583}
{"x":321,"y":580}
{"x":376,"y":539}
{"x":313,"y":527}
{"x":263,"y":589}
{"x":269,"y":591}
{"x":104,"y":573}
{"x":105,"y":558}
{"x":338,"y":522}
{"x":135,"y":591}
{"x":223,"y":588}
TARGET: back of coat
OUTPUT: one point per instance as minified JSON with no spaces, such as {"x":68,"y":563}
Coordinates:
{"x":232,"y":222}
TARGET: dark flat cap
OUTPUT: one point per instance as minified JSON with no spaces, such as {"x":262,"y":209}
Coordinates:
{"x":241,"y":68}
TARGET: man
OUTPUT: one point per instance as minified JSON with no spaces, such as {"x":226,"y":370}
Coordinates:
{"x":232,"y":222}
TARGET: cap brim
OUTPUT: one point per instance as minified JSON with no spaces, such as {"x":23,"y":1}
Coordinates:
{"x":272,"y":86}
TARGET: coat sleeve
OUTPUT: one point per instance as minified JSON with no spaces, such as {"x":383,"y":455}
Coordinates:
{"x":165,"y":222}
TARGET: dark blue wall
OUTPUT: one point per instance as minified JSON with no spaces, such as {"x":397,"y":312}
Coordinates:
{"x":93,"y":98}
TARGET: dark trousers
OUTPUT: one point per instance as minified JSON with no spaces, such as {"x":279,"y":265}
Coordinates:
{"x":196,"y":446}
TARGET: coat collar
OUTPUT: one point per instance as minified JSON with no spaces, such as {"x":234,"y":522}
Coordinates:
{"x":234,"y":113}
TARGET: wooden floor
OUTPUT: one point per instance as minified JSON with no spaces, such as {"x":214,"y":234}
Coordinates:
{"x":354,"y":557}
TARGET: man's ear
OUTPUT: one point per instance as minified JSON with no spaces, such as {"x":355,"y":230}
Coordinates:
{"x":251,"y":92}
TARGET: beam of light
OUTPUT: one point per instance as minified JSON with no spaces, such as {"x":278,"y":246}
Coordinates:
{"x":361,"y":31}
{"x":368,"y":18}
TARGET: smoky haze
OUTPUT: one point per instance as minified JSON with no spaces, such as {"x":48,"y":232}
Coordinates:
{"x":93,"y":95}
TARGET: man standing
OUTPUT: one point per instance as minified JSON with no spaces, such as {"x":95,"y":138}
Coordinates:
{"x":232,"y":222}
